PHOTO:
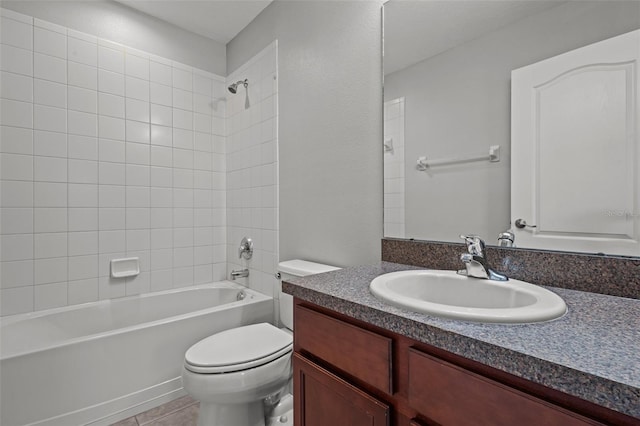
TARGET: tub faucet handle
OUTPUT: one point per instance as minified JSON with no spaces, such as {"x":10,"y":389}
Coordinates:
{"x":245,"y":251}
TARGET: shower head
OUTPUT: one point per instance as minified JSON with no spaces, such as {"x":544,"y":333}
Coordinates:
{"x":234,"y":87}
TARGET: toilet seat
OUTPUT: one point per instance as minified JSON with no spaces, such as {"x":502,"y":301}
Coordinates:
{"x":238,"y":349}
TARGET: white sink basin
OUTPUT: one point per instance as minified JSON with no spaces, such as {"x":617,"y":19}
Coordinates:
{"x":447,"y":294}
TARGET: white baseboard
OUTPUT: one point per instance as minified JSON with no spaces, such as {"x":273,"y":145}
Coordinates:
{"x":112,"y":411}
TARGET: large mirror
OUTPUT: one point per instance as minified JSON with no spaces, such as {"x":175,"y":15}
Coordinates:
{"x":448,"y":114}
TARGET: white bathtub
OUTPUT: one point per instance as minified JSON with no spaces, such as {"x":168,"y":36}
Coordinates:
{"x":100,"y":362}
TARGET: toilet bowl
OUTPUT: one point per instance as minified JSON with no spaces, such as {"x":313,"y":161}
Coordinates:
{"x":232,"y":372}
{"x":236,"y":373}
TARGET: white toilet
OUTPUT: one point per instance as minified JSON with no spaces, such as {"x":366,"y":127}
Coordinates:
{"x":233,"y":372}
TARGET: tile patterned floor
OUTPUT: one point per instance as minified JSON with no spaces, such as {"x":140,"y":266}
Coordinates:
{"x":179,"y":412}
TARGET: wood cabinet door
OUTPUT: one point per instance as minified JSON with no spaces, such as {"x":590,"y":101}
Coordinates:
{"x":324,"y":399}
{"x":357,"y":352}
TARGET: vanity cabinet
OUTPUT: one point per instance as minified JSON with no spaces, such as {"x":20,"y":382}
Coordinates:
{"x":452,"y":395}
{"x":347,"y":372}
{"x":324,"y":399}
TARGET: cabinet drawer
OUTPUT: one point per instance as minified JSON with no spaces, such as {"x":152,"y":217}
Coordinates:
{"x":323,"y":398}
{"x":358,"y":352}
{"x":450,"y":395}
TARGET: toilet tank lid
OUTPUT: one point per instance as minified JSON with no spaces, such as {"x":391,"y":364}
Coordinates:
{"x":301,"y":268}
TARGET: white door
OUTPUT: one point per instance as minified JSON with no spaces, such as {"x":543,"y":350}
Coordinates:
{"x":575,"y":149}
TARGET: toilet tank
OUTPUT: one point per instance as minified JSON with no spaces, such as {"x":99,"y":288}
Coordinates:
{"x":296,"y":268}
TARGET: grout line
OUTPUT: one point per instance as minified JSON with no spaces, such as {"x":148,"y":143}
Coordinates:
{"x":67,"y":147}
{"x":33,"y":165}
{"x":177,"y":410}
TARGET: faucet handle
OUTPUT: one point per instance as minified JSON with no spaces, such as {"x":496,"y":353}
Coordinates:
{"x":475,"y":245}
{"x":246,"y":248}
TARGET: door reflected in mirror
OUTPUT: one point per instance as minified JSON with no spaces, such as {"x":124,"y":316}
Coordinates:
{"x":448,"y":104}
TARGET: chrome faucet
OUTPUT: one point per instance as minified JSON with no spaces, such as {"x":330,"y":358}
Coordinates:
{"x":241,"y":273}
{"x":506,"y":239}
{"x":475,"y":262}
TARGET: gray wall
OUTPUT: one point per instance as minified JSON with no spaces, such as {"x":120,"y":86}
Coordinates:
{"x":122,"y":24}
{"x":330,"y":125}
{"x":458,"y":104}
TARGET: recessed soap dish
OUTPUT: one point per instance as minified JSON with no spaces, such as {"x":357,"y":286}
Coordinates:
{"x":125,"y":267}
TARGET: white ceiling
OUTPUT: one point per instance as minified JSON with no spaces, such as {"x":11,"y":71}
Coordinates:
{"x":416,"y":30}
{"x":219,"y":20}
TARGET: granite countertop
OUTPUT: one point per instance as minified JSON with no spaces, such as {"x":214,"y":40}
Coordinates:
{"x":592,"y":352}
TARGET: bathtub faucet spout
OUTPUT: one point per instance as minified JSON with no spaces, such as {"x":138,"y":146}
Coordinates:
{"x":242,"y":273}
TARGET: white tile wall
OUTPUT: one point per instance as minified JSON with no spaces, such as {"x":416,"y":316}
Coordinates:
{"x":394,"y":220}
{"x":106,"y":152}
{"x":252,"y":181}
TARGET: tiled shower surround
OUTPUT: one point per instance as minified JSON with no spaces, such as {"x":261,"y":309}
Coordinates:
{"x":112,"y":152}
{"x":252,"y":170}
{"x":394,"y":224}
